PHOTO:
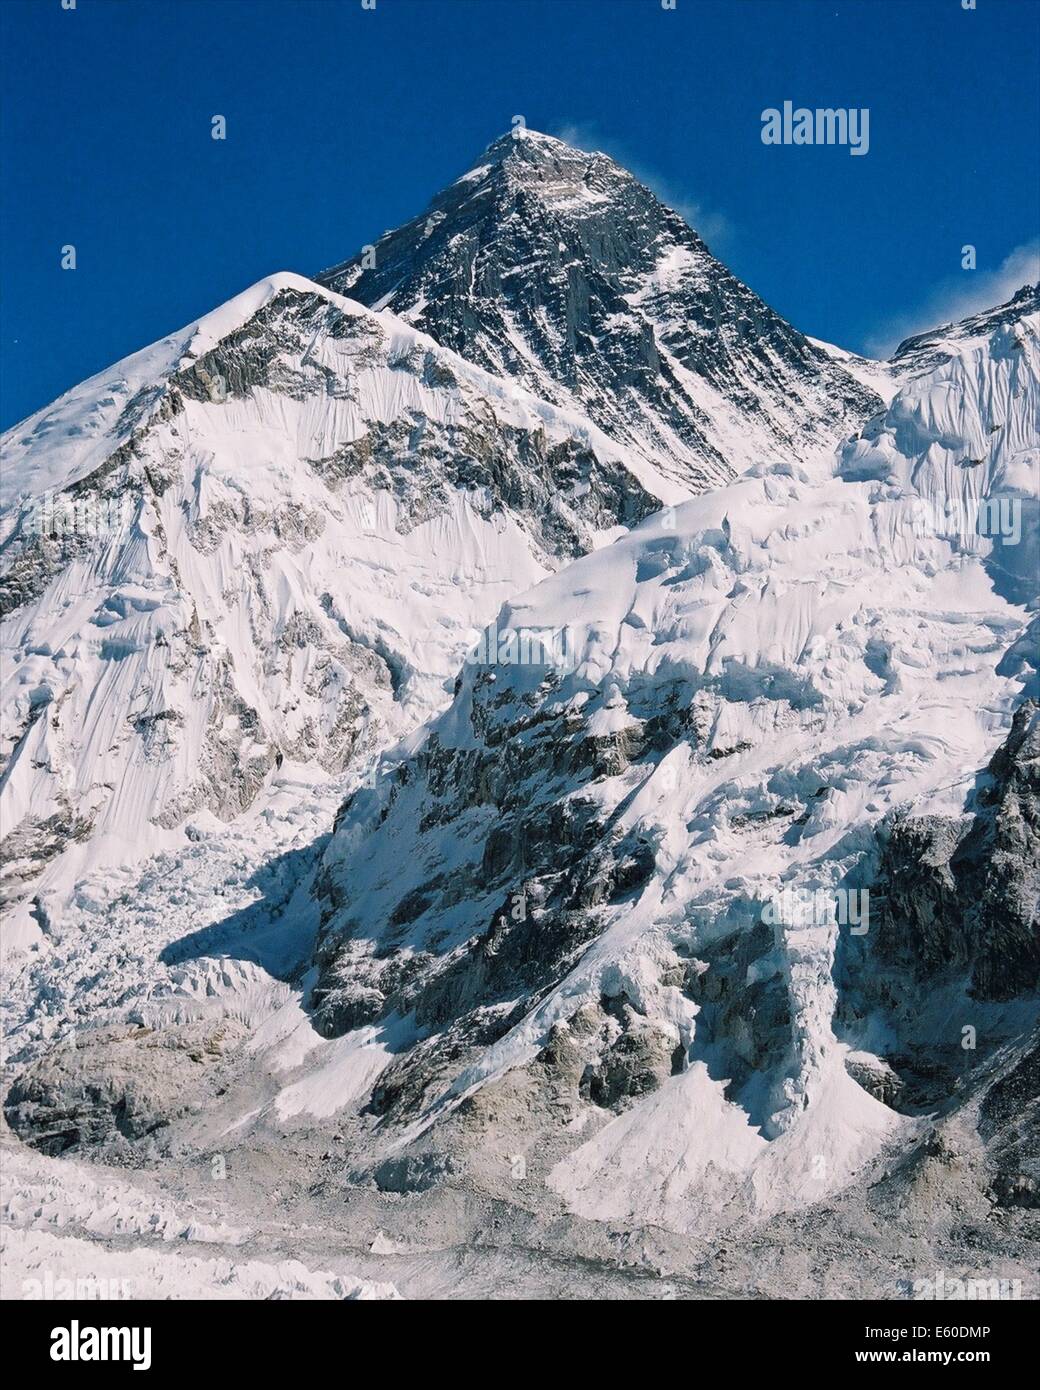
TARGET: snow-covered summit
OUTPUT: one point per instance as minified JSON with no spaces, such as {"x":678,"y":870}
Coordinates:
{"x":66,"y":440}
{"x":925,"y":351}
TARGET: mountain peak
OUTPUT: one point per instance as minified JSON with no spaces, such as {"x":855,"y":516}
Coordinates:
{"x":923,"y":351}
{"x":556,"y":268}
{"x":523,"y":137}
{"x":559,"y":175}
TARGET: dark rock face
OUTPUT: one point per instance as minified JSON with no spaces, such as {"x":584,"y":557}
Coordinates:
{"x":922,"y":926}
{"x":998,"y":865}
{"x":558,"y":269}
{"x":548,"y":870}
{"x":1009,"y":1122}
{"x":955,"y":935}
{"x":513,"y":871}
{"x":965,"y":896}
{"x":117,"y":1084}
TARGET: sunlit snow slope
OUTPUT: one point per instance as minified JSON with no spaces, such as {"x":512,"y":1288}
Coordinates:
{"x":269,"y":537}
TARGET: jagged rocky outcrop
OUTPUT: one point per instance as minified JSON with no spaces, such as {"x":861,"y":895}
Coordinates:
{"x":965,"y":894}
{"x":557,"y":268}
{"x":116,"y":1087}
{"x":548,"y":874}
{"x":1009,"y":1124}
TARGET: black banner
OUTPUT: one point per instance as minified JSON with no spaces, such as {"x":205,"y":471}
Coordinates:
{"x":223,"y":1336}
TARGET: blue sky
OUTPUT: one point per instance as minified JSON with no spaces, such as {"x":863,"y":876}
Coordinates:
{"x":342,"y":122}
